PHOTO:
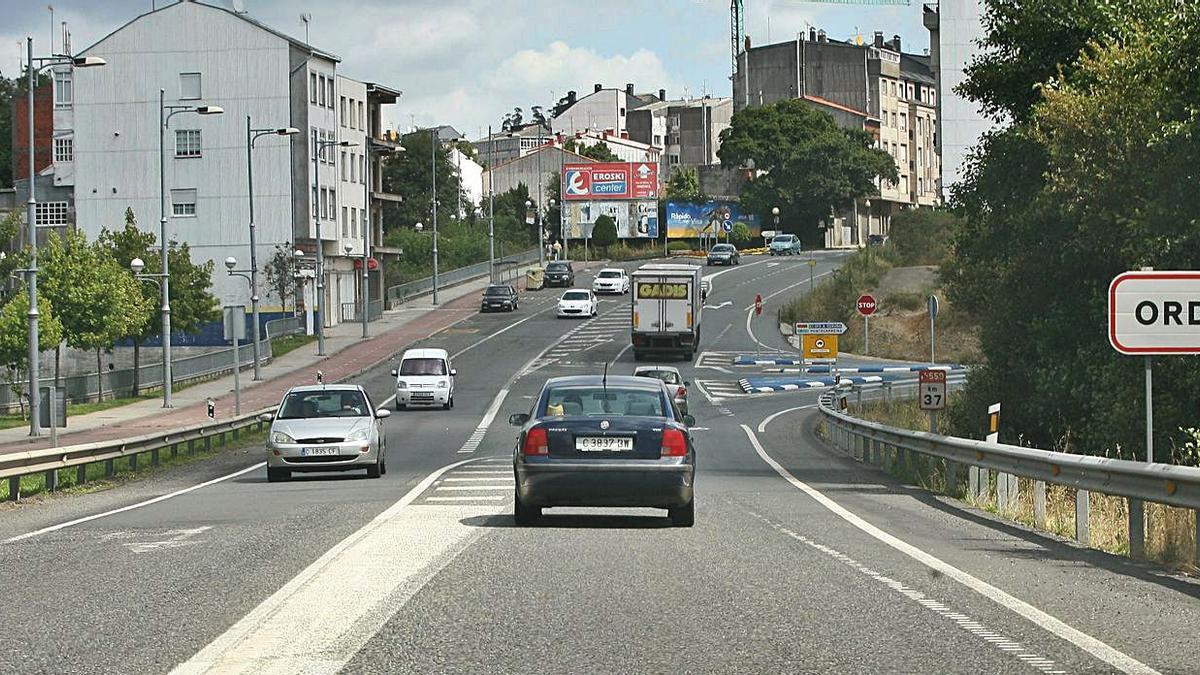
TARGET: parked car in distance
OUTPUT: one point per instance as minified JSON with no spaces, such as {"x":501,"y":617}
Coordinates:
{"x":876,"y":239}
{"x":724,"y":254}
{"x":425,"y":377}
{"x":611,"y":280}
{"x":499,"y":296}
{"x":611,"y":440}
{"x":671,"y":377}
{"x":332,"y":427}
{"x":576,"y":302}
{"x":785,"y":244}
{"x":560,"y":273}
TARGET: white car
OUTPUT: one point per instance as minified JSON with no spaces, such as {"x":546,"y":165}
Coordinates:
{"x":576,"y":302}
{"x":425,"y":377}
{"x":611,"y":280}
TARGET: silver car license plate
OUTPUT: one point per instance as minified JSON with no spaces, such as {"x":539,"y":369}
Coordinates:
{"x":318,"y":452}
{"x":603,"y":444}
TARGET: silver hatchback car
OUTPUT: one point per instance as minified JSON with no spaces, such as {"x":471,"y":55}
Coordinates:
{"x":326,"y":428}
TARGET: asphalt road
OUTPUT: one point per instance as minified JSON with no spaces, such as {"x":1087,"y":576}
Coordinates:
{"x":800,"y":561}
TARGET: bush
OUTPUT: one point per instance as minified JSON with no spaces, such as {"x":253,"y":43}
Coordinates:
{"x":923,"y":236}
{"x":905,"y":301}
{"x":604,"y":232}
{"x":678,"y":247}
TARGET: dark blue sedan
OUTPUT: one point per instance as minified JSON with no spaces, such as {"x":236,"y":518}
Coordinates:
{"x":595,"y":441}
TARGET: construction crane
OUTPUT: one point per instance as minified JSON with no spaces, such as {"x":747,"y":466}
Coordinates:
{"x":737,"y":21}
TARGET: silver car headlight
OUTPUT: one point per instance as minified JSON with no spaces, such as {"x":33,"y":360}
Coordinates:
{"x":401,"y":384}
{"x":278,"y":437}
{"x":358,"y":435}
{"x":441,"y":383}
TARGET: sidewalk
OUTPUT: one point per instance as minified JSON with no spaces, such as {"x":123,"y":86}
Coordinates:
{"x":347,"y":355}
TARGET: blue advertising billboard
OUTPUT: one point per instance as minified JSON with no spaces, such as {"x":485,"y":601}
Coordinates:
{"x":692,"y":221}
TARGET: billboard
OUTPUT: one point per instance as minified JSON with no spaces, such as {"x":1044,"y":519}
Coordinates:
{"x":610,"y":180}
{"x":691,"y":221}
{"x":634,"y":219}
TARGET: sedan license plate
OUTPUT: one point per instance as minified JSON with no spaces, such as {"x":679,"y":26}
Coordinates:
{"x":318,"y":452}
{"x":603,"y":444}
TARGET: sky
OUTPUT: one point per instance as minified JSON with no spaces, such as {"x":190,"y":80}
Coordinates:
{"x":467,"y":62}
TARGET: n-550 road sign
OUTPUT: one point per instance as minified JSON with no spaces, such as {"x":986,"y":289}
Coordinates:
{"x":1152,"y":312}
{"x":931,"y":390}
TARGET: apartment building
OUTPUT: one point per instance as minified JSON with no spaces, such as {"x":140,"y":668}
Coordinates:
{"x":204,"y":55}
{"x":872,"y":85}
{"x":955,"y":29}
{"x":687,"y":130}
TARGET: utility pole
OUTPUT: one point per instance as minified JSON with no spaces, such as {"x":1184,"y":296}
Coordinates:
{"x":433,"y":140}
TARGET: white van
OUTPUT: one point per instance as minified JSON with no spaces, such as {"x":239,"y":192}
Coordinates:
{"x":425,"y":377}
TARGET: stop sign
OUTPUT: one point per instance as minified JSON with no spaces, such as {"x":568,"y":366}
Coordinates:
{"x":866,"y":305}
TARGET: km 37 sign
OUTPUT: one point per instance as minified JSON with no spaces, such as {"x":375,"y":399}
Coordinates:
{"x":1153,"y":312}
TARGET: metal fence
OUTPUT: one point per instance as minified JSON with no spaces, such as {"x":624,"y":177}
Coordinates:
{"x":399,"y":294}
{"x":291,"y":325}
{"x":992,"y":469}
{"x":352,"y":311}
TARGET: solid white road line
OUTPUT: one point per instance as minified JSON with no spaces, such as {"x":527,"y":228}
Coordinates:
{"x":484,"y":479}
{"x":320,"y":619}
{"x":762,"y":426}
{"x":474,"y":487}
{"x":1087,"y":643}
{"x":473,"y":498}
{"x":123,"y":509}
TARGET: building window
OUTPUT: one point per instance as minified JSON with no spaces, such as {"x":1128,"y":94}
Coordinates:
{"x":344,"y":163}
{"x":353,"y":169}
{"x":189,"y":86}
{"x":342,"y":111}
{"x":329,"y":86}
{"x":316,"y":202}
{"x":903,"y":122}
{"x":893,"y":88}
{"x":362,"y":169}
{"x":49,"y":214}
{"x":63,"y":89}
{"x":657,"y":139}
{"x":183,"y":203}
{"x":312,"y":88}
{"x":321,"y":90}
{"x":325,"y":203}
{"x":187,"y":143}
{"x":353,"y":223}
{"x":362,"y":116}
{"x":622,"y":112}
{"x":932,"y":96}
{"x":345,"y":223}
{"x":64,"y":149}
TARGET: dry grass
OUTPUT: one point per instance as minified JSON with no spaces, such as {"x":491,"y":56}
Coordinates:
{"x":1170,"y":531}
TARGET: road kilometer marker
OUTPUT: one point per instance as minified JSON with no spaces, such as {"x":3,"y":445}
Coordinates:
{"x":1119,"y":660}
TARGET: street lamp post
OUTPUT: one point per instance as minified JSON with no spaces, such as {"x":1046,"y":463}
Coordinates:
{"x":550,"y":205}
{"x":35,"y":66}
{"x":319,"y":300}
{"x":165,"y":113}
{"x":253,"y":135}
{"x":433,"y":143}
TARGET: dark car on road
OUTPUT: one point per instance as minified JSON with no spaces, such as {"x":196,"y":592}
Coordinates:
{"x":592,"y":440}
{"x":502,"y":297}
{"x":724,"y":254}
{"x":560,"y":273}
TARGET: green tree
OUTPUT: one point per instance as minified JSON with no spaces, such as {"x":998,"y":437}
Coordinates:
{"x":125,"y":245}
{"x":1092,"y":178}
{"x":280,"y":272}
{"x":409,"y":174}
{"x":806,"y":163}
{"x":599,"y":151}
{"x":923,"y":236}
{"x":684,"y":186}
{"x":604,"y":232}
{"x":12,"y":260}
{"x":14,"y":339}
{"x":740,"y":234}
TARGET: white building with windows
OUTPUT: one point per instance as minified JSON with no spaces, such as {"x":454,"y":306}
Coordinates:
{"x":204,"y":55}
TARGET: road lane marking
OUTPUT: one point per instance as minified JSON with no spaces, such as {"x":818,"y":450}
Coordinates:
{"x":474,"y":487}
{"x":1087,"y":643}
{"x":762,"y":426}
{"x":321,"y":618}
{"x":473,"y":498}
{"x":138,"y":505}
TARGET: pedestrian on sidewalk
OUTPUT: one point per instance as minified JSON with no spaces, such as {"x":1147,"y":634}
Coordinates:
{"x":557,"y":250}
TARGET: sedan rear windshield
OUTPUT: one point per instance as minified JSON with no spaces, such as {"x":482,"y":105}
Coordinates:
{"x":497,"y":290}
{"x":670,"y":377}
{"x":556,"y":267}
{"x":610,"y":274}
{"x":423,"y":367}
{"x":317,"y":404}
{"x":783,"y":239}
{"x":575,"y":295}
{"x":598,"y":400}
{"x":722,"y":248}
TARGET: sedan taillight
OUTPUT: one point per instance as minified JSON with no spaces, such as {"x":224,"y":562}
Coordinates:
{"x":673,"y":443}
{"x":681,"y":392}
{"x":536,"y":443}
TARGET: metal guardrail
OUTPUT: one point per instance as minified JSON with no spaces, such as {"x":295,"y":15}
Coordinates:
{"x":401,"y":293}
{"x":52,"y":460}
{"x":880,"y":445}
{"x":352,"y":311}
{"x":289,"y":325}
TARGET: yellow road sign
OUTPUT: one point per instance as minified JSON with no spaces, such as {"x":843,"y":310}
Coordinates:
{"x":819,"y":346}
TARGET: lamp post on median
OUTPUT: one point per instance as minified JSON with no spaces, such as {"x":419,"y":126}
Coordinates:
{"x":320,"y":271}
{"x":165,"y":113}
{"x":253,"y":135}
{"x":33,"y":67}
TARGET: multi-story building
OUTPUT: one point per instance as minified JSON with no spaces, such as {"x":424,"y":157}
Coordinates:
{"x":955,"y":28}
{"x":604,"y":108}
{"x":504,"y":146}
{"x":873,"y":86}
{"x":688,"y":131}
{"x":200,"y":54}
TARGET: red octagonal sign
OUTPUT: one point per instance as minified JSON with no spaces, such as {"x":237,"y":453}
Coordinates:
{"x":866,"y":305}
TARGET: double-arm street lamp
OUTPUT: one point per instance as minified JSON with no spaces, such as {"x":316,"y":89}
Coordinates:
{"x":165,"y":113}
{"x":35,"y":66}
{"x":253,"y":135}
{"x":320,"y":271}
